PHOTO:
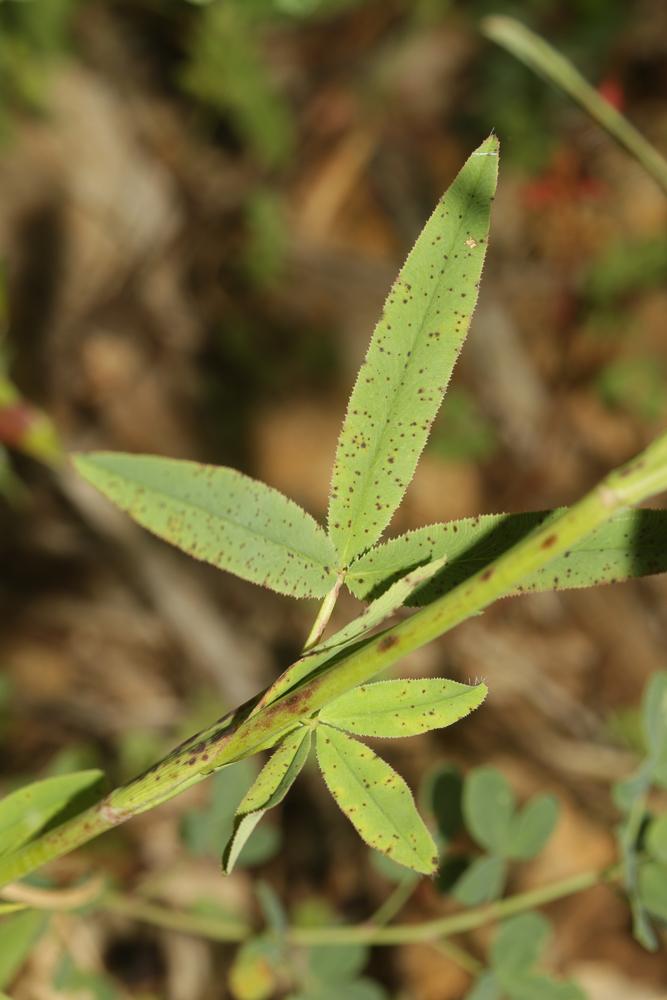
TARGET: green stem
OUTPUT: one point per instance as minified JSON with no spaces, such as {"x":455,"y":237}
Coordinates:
{"x":536,"y":53}
{"x":367,"y":933}
{"x":395,"y":901}
{"x":457,"y":923}
{"x":199,"y":925}
{"x":324,"y":614}
{"x":243,"y":733}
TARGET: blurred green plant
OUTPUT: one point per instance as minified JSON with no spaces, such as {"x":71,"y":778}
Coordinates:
{"x":245,"y":527}
{"x":637,"y":385}
{"x":461,"y":431}
{"x":625,"y":268}
{"x":225,"y":70}
{"x":33,"y":34}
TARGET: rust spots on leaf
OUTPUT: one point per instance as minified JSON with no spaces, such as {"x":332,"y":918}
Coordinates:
{"x":549,"y":541}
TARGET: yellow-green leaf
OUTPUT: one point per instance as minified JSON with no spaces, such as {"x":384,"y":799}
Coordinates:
{"x":633,"y":543}
{"x":220,"y":516}
{"x":410,"y":359}
{"x":403,"y":707}
{"x":376,"y":800}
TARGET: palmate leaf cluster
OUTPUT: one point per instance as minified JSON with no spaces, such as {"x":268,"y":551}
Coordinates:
{"x":248,"y":528}
{"x":243,"y":526}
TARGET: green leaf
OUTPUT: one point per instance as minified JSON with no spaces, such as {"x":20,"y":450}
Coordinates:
{"x":18,"y":934}
{"x":403,"y":707}
{"x":532,"y":986}
{"x":485,"y":988}
{"x":656,"y":839}
{"x":654,"y":715}
{"x":42,"y":804}
{"x":482,"y":882}
{"x":359,"y":989}
{"x":442,"y":795}
{"x":204,"y":830}
{"x":652,"y":886}
{"x":410,"y":359}
{"x":376,"y":800}
{"x":220,"y":516}
{"x":518,"y":944}
{"x":626,"y":792}
{"x":631,"y":544}
{"x":72,"y":981}
{"x":531,"y":827}
{"x":488,"y":808}
{"x":337,"y":964}
{"x":270,"y":787}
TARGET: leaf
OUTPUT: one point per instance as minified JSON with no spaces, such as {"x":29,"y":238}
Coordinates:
{"x":337,"y":964}
{"x":33,"y":808}
{"x":531,"y":828}
{"x":269,"y":788}
{"x":518,"y":944}
{"x":204,"y":830}
{"x":273,"y":911}
{"x":220,"y":516}
{"x":652,"y":886}
{"x":488,"y":807}
{"x":485,"y":988}
{"x":359,"y":989}
{"x":482,"y":881}
{"x":654,"y":715}
{"x":403,"y":707}
{"x":18,"y":934}
{"x":376,"y":800}
{"x":631,"y":544}
{"x":442,"y":794}
{"x":656,"y":839}
{"x":535,"y":985}
{"x":626,"y":792}
{"x":254,"y":972}
{"x":410,"y":359}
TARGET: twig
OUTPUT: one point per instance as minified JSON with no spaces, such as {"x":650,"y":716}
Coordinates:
{"x":536,"y":53}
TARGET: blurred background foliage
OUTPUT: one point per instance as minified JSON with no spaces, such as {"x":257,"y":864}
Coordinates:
{"x":202,"y":205}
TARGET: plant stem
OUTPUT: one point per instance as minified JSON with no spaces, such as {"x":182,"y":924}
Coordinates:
{"x":369,"y":933}
{"x":200,"y":925}
{"x":395,"y":901}
{"x":457,"y":923}
{"x":242,"y":733}
{"x":324,"y":614}
{"x":458,"y":955}
{"x":536,"y":53}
